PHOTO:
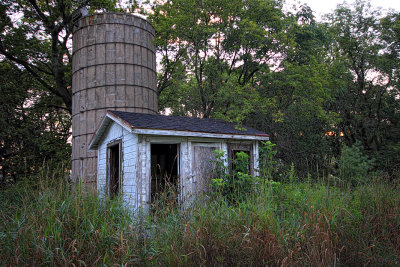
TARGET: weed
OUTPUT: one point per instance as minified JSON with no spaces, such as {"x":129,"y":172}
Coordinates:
{"x":285,"y":224}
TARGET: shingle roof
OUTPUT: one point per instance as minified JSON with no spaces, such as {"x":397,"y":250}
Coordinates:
{"x":177,"y":123}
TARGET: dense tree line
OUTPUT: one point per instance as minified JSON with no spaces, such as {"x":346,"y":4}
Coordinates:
{"x":315,"y":87}
{"x":33,"y":133}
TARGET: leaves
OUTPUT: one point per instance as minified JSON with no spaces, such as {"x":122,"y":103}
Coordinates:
{"x":32,"y":132}
{"x":36,"y":35}
{"x":210,"y":46}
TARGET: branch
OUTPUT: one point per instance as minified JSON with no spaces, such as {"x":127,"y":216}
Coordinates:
{"x":27,"y":67}
{"x":42,"y":70}
{"x":41,"y":15}
{"x":59,"y":107}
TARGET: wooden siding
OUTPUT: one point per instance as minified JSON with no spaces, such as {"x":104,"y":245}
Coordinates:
{"x":194,"y":165}
{"x":128,"y":167}
{"x":203,"y":165}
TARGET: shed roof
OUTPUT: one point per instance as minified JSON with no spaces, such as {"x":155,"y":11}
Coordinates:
{"x":178,"y":123}
{"x":175,"y":125}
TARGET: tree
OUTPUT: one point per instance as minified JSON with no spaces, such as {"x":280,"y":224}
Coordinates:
{"x":247,"y":61}
{"x":299,"y":92}
{"x":369,"y":100}
{"x":35,"y":81}
{"x":35,"y":35}
{"x":211,"y":50}
{"x":32,"y":131}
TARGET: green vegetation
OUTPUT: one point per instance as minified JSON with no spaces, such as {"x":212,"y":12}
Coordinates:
{"x":328,"y":93}
{"x":237,"y":184}
{"x":315,"y":86}
{"x":47,"y":223}
{"x":354,"y":166}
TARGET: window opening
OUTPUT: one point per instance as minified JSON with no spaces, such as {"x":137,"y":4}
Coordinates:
{"x":164,"y":172}
{"x":234,"y":158}
{"x":114,"y":161}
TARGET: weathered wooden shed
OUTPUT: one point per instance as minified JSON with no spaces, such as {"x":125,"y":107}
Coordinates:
{"x":136,"y":152}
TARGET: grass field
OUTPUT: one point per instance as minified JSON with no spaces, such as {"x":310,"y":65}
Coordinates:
{"x":47,"y":223}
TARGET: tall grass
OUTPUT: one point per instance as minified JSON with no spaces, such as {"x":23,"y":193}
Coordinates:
{"x":47,"y":223}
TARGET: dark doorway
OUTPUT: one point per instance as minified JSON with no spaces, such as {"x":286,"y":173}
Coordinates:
{"x":164,"y":170}
{"x":114,"y":160}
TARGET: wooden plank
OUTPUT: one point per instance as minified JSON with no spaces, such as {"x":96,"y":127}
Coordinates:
{"x":100,"y":75}
{"x":100,"y":54}
{"x":203,"y":166}
{"x":255,"y":158}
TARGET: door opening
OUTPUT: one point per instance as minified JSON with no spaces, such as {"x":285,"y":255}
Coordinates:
{"x":164,"y":172}
{"x":114,"y":162}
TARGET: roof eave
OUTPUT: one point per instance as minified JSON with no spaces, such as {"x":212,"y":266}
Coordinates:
{"x":199,"y":134}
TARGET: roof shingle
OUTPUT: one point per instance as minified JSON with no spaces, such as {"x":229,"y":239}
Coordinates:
{"x":177,"y":123}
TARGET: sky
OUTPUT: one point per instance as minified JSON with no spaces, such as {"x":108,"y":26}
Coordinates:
{"x":321,"y":7}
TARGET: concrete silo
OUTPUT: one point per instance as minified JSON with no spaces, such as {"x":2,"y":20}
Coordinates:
{"x":113,"y":67}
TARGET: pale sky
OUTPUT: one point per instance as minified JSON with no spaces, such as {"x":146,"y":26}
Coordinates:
{"x":321,"y":7}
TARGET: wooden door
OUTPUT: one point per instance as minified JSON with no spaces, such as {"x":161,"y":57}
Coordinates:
{"x":203,"y":166}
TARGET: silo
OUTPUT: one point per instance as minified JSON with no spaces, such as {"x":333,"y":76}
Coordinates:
{"x":113,"y":67}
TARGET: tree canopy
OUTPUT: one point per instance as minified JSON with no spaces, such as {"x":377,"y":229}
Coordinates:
{"x":314,"y":86}
{"x":35,"y":35}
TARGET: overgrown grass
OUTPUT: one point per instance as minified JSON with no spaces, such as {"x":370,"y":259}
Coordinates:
{"x":47,"y":223}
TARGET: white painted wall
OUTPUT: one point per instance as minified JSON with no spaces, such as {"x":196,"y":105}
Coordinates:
{"x":136,"y":157}
{"x":129,"y":163}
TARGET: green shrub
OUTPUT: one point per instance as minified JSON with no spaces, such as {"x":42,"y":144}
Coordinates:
{"x":267,"y":162}
{"x":233,"y":184}
{"x":354,"y":166}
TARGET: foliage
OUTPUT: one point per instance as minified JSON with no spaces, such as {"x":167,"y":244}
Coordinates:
{"x":267,"y":160}
{"x":39,"y":41}
{"x":33,"y":133}
{"x":354,"y":166}
{"x":35,"y":82}
{"x":248,"y":62}
{"x":48,"y":223}
{"x":44,"y":222}
{"x":211,"y":50}
{"x":233,"y":183}
{"x":368,"y":100}
{"x":233,"y":60}
{"x":312,"y":86}
{"x":303,"y":85}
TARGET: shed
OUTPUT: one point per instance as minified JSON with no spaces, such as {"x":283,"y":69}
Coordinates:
{"x":137,"y":153}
